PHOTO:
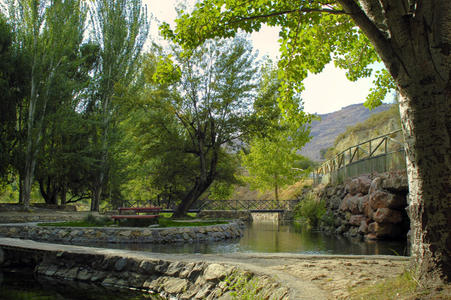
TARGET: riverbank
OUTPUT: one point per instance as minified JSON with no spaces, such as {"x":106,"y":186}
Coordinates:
{"x":304,"y":276}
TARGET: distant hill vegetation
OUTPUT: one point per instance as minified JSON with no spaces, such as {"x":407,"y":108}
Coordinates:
{"x":376,"y":125}
{"x":330,"y":126}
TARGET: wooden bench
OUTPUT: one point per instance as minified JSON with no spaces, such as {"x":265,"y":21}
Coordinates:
{"x":137,"y":216}
{"x":137,"y":210}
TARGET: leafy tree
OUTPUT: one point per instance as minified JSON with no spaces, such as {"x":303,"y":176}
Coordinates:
{"x":411,"y":38}
{"x":270,"y":163}
{"x":120,"y":28}
{"x":273,"y":149}
{"x":48,"y":33}
{"x":13,"y":84}
{"x":203,"y":105}
{"x":220,"y":191}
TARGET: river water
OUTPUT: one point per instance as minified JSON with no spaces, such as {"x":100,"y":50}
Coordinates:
{"x":26,"y":286}
{"x":278,"y":238}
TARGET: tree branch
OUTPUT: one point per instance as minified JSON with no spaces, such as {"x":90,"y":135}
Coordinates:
{"x":380,"y":42}
{"x":285,"y":12}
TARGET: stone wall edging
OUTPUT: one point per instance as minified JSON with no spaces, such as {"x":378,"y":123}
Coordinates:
{"x":231,"y":230}
{"x":170,"y":279}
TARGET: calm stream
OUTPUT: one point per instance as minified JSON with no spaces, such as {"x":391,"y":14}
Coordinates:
{"x":272,"y":238}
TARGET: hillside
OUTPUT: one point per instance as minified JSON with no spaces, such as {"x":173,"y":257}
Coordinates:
{"x":325,"y":131}
{"x":376,"y":125}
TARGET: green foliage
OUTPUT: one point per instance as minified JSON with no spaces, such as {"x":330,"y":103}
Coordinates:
{"x":49,"y":36}
{"x":383,"y":84}
{"x":272,"y":160}
{"x":89,"y":221}
{"x":243,"y":287}
{"x":310,"y":210}
{"x":312,"y":33}
{"x":106,"y":221}
{"x":180,"y":128}
{"x":164,"y":222}
{"x":403,"y":286}
{"x":13,"y":84}
{"x":220,"y":191}
{"x":121,"y":29}
{"x":270,"y":163}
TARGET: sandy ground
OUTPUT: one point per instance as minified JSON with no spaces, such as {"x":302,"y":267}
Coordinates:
{"x":319,"y":276}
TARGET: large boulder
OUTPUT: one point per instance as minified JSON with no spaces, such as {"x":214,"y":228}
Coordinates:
{"x":395,"y":182}
{"x":356,"y":220}
{"x":376,"y":184}
{"x":363,"y":228}
{"x":358,"y":185}
{"x":387,"y":215}
{"x":351,"y":203}
{"x":380,"y":199}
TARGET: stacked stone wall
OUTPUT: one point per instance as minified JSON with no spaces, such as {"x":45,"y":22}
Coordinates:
{"x":75,"y":235}
{"x":243,"y":215}
{"x":170,"y":279}
{"x":369,"y":206}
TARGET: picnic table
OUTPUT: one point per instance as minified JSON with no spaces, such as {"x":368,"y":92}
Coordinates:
{"x":137,"y":210}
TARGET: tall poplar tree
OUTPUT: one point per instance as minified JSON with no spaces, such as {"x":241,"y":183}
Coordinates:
{"x":48,"y":33}
{"x":120,"y":28}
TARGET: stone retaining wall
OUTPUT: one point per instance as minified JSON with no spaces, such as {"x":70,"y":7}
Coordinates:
{"x":272,"y":217}
{"x":369,"y":206}
{"x":74,"y":235}
{"x":116,"y":268}
{"x":244,"y":215}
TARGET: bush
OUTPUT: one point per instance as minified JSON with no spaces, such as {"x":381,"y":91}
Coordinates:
{"x":310,"y":210}
{"x":97,"y":221}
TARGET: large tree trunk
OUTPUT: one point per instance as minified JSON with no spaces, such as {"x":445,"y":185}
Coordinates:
{"x":95,"y":201}
{"x":426,"y":119}
{"x":199,"y":188}
{"x":424,"y":84}
{"x":414,"y":42}
{"x":49,"y":191}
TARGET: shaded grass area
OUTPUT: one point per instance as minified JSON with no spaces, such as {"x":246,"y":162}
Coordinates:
{"x":163,"y":221}
{"x":404,"y":286}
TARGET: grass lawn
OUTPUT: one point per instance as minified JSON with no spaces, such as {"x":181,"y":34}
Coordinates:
{"x":405,"y":286}
{"x":163,"y":221}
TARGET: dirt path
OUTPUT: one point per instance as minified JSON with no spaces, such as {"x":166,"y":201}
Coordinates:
{"x":315,"y":276}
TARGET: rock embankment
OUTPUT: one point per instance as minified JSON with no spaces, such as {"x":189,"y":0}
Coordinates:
{"x":369,"y":206}
{"x":122,"y":269}
{"x":75,"y":235}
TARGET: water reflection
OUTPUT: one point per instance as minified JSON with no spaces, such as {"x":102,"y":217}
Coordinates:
{"x":273,"y":238}
{"x":25,"y":286}
{"x":293,"y":238}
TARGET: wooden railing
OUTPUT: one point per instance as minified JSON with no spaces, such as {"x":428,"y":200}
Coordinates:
{"x":380,"y":154}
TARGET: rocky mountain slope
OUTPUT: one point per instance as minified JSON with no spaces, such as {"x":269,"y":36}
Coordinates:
{"x":325,"y":131}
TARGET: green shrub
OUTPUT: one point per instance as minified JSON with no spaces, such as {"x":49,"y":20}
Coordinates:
{"x":327,"y":219}
{"x":97,"y":221}
{"x":310,"y":210}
